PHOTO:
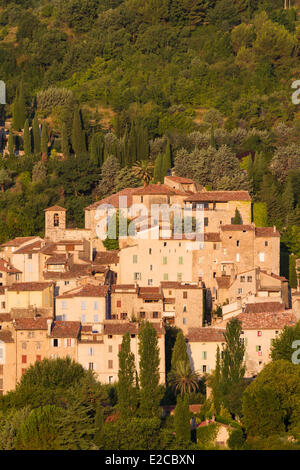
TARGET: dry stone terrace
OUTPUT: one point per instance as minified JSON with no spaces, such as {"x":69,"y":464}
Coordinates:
{"x":66,"y":295}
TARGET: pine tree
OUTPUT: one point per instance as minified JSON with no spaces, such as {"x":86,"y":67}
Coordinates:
{"x":179,"y":352}
{"x":288,"y":200}
{"x":150,"y":391}
{"x":182,"y":420}
{"x":36,"y":135}
{"x":292,"y":272}
{"x":11,"y":143}
{"x":99,"y":423}
{"x":237,"y":220}
{"x":65,"y":147}
{"x":78,"y":134}
{"x":127,"y":393}
{"x":27,"y":139}
{"x":44,"y":142}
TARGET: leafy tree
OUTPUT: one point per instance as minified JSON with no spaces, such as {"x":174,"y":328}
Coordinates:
{"x":260,"y":214}
{"x":126,"y":179}
{"x":109,"y":171}
{"x":5,"y":179}
{"x":149,"y":376}
{"x":182,"y":419}
{"x":282,"y":345}
{"x":39,"y":172}
{"x":127,"y":391}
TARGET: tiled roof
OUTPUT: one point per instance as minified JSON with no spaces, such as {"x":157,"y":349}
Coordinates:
{"x":205,"y":335}
{"x":267,"y":320}
{"x":88,"y":290}
{"x":150,"y":293}
{"x":262,"y":307}
{"x":5,"y":317}
{"x":123,"y":287}
{"x":114,"y":199}
{"x":76,"y":270}
{"x":29,"y":286}
{"x":178,"y":285}
{"x":159,"y":189}
{"x":219,"y":196}
{"x":120,"y":328}
{"x":107,"y":257}
{"x":70,"y":242}
{"x":236,"y":228}
{"x":30,"y":248}
{"x":57,"y":258}
{"x":179,"y":179}
{"x":266,"y":232}
{"x":65,"y":329}
{"x":31,"y":324}
{"x":55,"y":208}
{"x":275,"y":276}
{"x":7,"y":267}
{"x":6,"y":336}
{"x":18,"y":241}
{"x":212,"y":237}
{"x":223,"y":282}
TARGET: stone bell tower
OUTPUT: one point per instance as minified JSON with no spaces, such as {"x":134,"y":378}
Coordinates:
{"x":55,"y":223}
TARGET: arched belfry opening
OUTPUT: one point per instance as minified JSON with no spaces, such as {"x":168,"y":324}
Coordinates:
{"x":56,"y":220}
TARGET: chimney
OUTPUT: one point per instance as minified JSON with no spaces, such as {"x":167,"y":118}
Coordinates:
{"x":49,"y":326}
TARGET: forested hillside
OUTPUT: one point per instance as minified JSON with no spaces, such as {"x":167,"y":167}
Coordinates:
{"x":93,"y":86}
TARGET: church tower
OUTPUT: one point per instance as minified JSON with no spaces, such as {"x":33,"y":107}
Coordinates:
{"x":55,"y":223}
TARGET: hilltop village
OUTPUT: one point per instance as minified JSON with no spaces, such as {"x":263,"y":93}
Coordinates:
{"x":66,"y":295}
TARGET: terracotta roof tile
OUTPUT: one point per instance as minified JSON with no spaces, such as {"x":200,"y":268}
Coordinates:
{"x":55,"y":208}
{"x":178,"y":285}
{"x":262,"y":307}
{"x":75,"y":271}
{"x":212,"y":237}
{"x":112,"y":327}
{"x":267,"y":320}
{"x":18,"y":241}
{"x":29,"y":286}
{"x":5,"y":317}
{"x":6,"y":267}
{"x":57,"y":258}
{"x":223,"y":282}
{"x":266,"y":232}
{"x":107,"y":257}
{"x":65,"y":329}
{"x":30,"y":248}
{"x":31,"y":323}
{"x":113,"y":199}
{"x":219,"y":196}
{"x":88,"y":290}
{"x":205,"y":335}
{"x":180,"y":179}
{"x":6,"y":336}
{"x":237,"y":228}
{"x":275,"y":276}
{"x":157,"y":189}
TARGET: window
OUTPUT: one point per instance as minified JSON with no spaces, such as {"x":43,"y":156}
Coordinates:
{"x":134,"y":259}
{"x":24,"y":359}
{"x":184,"y":294}
{"x":39,"y":358}
{"x":109,"y":336}
{"x":259,"y":333}
{"x":179,"y":277}
{"x":30,"y":334}
{"x":96,"y":307}
{"x":23,"y":371}
{"x":258,"y":348}
{"x":119,"y":303}
{"x":123,"y":316}
{"x":165,"y":243}
{"x":96,"y":318}
{"x":204,"y":369}
{"x":180,"y":260}
{"x":214,"y":275}
{"x":150,"y":282}
{"x":266,"y":243}
{"x":184,"y":308}
{"x":261,"y":257}
{"x":55,"y":343}
{"x":63,"y":305}
{"x":184,"y":321}
{"x":155,"y":315}
{"x":67,"y":283}
{"x":238,"y":243}
{"x":110,"y":348}
{"x":249,"y":279}
{"x":205,"y":221}
{"x":225,"y":251}
{"x":24,"y":345}
{"x":110,"y":379}
{"x":91,"y":366}
{"x":110,"y":364}
{"x":38,"y":345}
{"x":238,"y":257}
{"x":137,"y":276}
{"x":215,"y":246}
{"x":166,"y":277}
{"x":240,"y":290}
{"x":56,"y":220}
{"x":242,"y":278}
{"x":132,"y":336}
{"x":29,"y":256}
{"x":91,"y":351}
{"x":69,"y":342}
{"x":204,"y":355}
{"x":151,"y":267}
{"x":83,"y":318}
{"x":142,"y":314}
{"x":150,"y":251}
{"x":165,"y":260}
{"x":83,"y":305}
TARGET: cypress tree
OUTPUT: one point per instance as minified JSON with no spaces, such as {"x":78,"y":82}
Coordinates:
{"x":44,"y":142}
{"x":10,"y":143}
{"x":127,"y":393}
{"x":132,"y":146}
{"x":36,"y":135}
{"x":150,"y":391}
{"x":78,"y":135}
{"x":21,"y":107}
{"x":27,"y":139}
{"x":292,"y":272}
{"x":237,"y":219}
{"x":182,"y":420}
{"x":157,"y":173}
{"x":65,"y":148}
{"x":166,"y":161}
{"x":99,"y":423}
{"x":179,"y":352}
{"x":288,"y":200}
{"x":216,"y":383}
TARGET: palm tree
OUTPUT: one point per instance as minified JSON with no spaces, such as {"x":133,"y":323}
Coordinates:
{"x":183,"y":379}
{"x":143,"y":170}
